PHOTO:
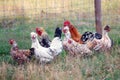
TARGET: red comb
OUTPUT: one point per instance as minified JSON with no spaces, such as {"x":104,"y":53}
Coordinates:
{"x":66,"y":23}
{"x":38,"y":31}
{"x":11,"y":41}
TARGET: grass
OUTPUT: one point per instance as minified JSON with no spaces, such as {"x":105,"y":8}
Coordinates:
{"x":100,"y":66}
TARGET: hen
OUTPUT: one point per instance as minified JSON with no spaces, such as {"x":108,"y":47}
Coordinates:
{"x":44,"y":39}
{"x":20,"y":55}
{"x":47,"y":54}
{"x":72,"y":47}
{"x":74,"y":32}
{"x":103,"y":42}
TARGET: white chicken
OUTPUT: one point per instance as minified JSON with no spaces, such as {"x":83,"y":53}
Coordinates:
{"x":47,"y":54}
{"x":72,"y":47}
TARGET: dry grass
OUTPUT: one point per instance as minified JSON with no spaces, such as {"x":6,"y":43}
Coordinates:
{"x":15,"y":7}
{"x":99,"y":66}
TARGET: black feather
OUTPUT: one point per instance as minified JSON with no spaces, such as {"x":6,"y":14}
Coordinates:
{"x":84,"y":38}
{"x":112,"y":42}
{"x":98,"y":36}
{"x":87,"y":35}
{"x":32,"y":52}
{"x":58,"y":32}
{"x":45,"y":43}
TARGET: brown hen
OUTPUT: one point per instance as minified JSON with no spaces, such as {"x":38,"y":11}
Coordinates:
{"x":19,"y":55}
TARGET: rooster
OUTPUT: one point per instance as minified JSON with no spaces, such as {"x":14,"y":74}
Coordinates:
{"x":20,"y":55}
{"x":103,"y":42}
{"x":47,"y":54}
{"x":44,"y":39}
{"x":72,"y":47}
{"x":74,"y":32}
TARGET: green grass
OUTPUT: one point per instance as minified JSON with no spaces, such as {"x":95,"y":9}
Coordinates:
{"x":97,"y":67}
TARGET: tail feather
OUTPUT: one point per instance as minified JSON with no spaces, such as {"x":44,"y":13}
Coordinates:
{"x":58,"y":32}
{"x":31,"y":52}
{"x":45,"y":43}
{"x":112,"y":42}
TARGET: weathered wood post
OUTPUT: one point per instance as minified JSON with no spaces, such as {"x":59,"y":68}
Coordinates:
{"x":98,"y":19}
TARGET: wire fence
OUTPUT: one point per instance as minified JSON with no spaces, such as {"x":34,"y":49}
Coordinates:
{"x":56,"y":10}
{"x":43,"y":11}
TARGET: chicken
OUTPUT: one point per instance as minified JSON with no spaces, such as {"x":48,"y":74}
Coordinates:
{"x":103,"y":43}
{"x":73,"y":47}
{"x":74,"y":32}
{"x":47,"y":54}
{"x":44,"y":39}
{"x":20,"y":55}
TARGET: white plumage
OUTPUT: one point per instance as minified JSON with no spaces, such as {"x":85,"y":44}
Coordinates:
{"x":56,"y":46}
{"x":47,"y":54}
{"x":41,"y":53}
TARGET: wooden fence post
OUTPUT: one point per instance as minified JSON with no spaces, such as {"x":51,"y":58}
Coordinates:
{"x":98,"y":19}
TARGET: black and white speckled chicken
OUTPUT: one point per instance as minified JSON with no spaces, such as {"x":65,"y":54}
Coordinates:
{"x":97,"y":41}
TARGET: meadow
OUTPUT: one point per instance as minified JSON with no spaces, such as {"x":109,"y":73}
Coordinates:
{"x":99,"y":66}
